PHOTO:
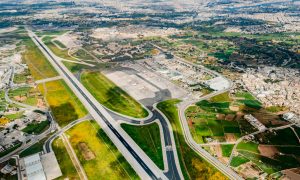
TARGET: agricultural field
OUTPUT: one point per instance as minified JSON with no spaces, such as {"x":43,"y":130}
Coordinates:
{"x":96,"y":151}
{"x":221,"y":48}
{"x":66,"y":166}
{"x":269,"y":151}
{"x":110,"y":95}
{"x":221,"y":117}
{"x":148,"y":138}
{"x":22,"y":77}
{"x":39,"y":66}
{"x":192,"y":165}
{"x":226,"y":149}
{"x":64,"y":105}
{"x":26,"y":95}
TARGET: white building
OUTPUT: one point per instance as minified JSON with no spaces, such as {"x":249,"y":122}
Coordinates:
{"x":33,"y":168}
{"x":218,"y":83}
{"x":40,"y":167}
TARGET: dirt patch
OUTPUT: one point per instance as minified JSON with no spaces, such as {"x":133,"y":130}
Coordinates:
{"x":268,"y":151}
{"x":217,"y":150}
{"x":85,"y":151}
{"x":249,"y":171}
{"x":220,"y":116}
{"x":239,"y":115}
{"x":291,"y":174}
{"x":234,"y":108}
{"x":20,"y":98}
{"x":41,"y":104}
{"x":230,"y":137}
{"x":268,"y":119}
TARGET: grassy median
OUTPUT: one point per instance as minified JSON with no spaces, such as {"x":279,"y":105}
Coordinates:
{"x":97,"y":154}
{"x":110,"y":95}
{"x":148,"y":138}
{"x":192,"y":165}
{"x":64,"y":104}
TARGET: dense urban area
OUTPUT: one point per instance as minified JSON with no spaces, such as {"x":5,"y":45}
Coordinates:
{"x":152,"y":89}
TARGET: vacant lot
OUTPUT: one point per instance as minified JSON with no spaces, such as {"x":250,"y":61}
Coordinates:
{"x":108,"y":162}
{"x":67,"y":168}
{"x":111,"y":96}
{"x":26,"y":95}
{"x":64,"y":105}
{"x":148,"y":138}
{"x":39,"y":66}
{"x":192,"y":165}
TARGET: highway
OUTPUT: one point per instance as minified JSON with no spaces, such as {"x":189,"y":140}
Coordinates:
{"x":141,"y":163}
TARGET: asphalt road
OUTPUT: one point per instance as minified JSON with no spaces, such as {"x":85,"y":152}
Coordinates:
{"x":99,"y":114}
{"x":172,"y":171}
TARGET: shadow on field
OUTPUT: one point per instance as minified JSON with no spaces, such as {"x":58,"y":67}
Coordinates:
{"x":64,"y":113}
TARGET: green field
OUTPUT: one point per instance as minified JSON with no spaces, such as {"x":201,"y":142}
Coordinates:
{"x":7,"y":151}
{"x":15,"y":116}
{"x":148,"y":138}
{"x":67,"y":168}
{"x":31,"y":94}
{"x":245,"y":95}
{"x":224,"y":97}
{"x":204,"y":123}
{"x":35,"y":148}
{"x":36,"y":127}
{"x":221,"y":114}
{"x":74,"y":67}
{"x":2,"y":100}
{"x":238,"y":160}
{"x":39,"y":66}
{"x":64,"y":105}
{"x":108,"y":162}
{"x":275,"y":109}
{"x":248,"y":146}
{"x":111,"y":96}
{"x":22,"y":77}
{"x":192,"y":165}
{"x":63,"y":53}
{"x":227,"y":149}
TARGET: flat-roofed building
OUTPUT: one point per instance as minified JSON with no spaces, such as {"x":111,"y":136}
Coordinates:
{"x":40,"y":167}
{"x":218,"y":83}
{"x":34,"y":168}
